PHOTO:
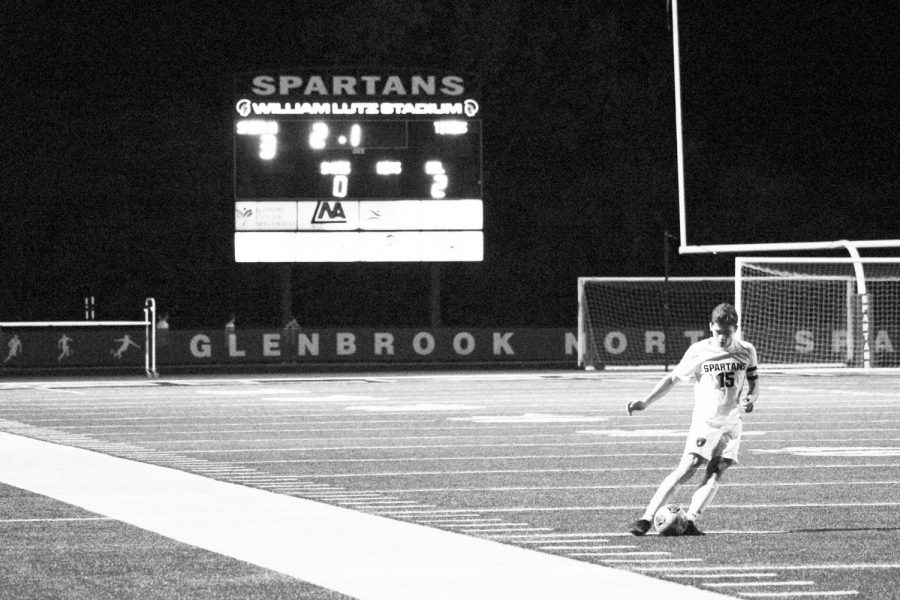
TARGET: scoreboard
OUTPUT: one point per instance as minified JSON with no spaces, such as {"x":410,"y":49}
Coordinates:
{"x":350,"y":167}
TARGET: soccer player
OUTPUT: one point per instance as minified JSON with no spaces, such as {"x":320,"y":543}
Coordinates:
{"x":719,"y":366}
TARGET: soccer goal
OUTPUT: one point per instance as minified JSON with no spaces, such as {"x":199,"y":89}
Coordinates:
{"x":820,"y":312}
{"x":644,"y":321}
{"x":82,"y":344}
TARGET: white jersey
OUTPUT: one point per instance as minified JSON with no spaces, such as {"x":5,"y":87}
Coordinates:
{"x":718,"y":375}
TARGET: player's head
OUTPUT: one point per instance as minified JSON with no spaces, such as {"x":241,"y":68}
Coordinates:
{"x":724,"y":315}
{"x":723,"y":323}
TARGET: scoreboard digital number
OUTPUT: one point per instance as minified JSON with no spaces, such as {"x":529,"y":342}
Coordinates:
{"x":391,"y":159}
{"x":376,"y":175}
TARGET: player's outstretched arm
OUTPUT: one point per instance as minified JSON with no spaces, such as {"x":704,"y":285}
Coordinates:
{"x":661,"y":389}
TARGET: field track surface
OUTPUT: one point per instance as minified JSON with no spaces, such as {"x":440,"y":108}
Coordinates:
{"x":437,"y":485}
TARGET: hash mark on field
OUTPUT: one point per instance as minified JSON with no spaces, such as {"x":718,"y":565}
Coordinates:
{"x":561,"y":535}
{"x":654,"y":560}
{"x":807,"y":567}
{"x":758,"y":583}
{"x":596,"y":548}
{"x":503,"y":529}
{"x":719,"y":575}
{"x":474,"y":522}
{"x":551,"y":540}
{"x":799,"y":594}
{"x":647,"y":553}
{"x":56,"y":520}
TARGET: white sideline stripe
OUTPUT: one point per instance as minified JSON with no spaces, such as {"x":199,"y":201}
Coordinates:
{"x":356,"y":554}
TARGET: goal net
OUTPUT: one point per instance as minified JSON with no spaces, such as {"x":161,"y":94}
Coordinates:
{"x":644,"y":321}
{"x":820,"y":312}
{"x":53,"y":345}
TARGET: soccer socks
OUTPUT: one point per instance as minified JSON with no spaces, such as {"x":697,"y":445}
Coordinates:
{"x":665,"y":491}
{"x":702,"y":498}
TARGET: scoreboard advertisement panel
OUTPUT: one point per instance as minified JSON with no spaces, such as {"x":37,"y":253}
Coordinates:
{"x":357,"y":167}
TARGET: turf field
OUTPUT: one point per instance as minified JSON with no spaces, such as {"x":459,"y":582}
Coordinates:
{"x":547,"y":462}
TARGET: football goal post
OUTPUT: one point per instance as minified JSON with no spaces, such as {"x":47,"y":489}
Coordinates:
{"x":644,"y":321}
{"x":80,"y":344}
{"x":820,"y":312}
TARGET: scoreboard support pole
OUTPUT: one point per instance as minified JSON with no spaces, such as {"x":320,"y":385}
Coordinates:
{"x":286,"y":292}
{"x":435,"y":295}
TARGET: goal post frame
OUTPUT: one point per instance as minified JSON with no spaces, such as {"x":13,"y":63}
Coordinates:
{"x":683,"y":246}
{"x":669,"y":313}
{"x":856,"y":289}
{"x":850,"y":246}
{"x":148,"y":323}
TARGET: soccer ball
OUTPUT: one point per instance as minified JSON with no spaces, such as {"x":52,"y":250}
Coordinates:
{"x":670,"y":520}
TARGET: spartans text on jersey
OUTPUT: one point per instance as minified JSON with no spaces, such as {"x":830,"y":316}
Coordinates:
{"x":724,"y":366}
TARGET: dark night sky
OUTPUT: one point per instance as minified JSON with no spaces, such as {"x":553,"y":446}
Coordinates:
{"x":117,"y":146}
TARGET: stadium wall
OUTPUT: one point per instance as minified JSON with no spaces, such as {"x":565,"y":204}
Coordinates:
{"x":650,"y":346}
{"x":44,"y":349}
{"x":355,"y":345}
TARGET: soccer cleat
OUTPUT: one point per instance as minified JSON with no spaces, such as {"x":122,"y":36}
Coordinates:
{"x":691,"y":529}
{"x":640,"y":527}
